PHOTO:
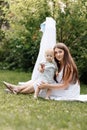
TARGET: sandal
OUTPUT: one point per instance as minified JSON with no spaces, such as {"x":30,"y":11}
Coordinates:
{"x":9,"y":87}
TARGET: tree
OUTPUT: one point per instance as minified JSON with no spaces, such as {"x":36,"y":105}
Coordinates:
{"x":23,"y":37}
{"x":4,"y":6}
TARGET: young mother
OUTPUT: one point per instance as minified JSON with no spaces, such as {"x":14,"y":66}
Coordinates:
{"x":68,"y":86}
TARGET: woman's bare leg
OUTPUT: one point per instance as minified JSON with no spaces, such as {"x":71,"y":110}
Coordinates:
{"x":27,"y":88}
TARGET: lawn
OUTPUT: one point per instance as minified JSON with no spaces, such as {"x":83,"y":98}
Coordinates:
{"x":22,"y":112}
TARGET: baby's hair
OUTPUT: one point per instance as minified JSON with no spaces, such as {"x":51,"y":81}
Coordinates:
{"x":49,"y":51}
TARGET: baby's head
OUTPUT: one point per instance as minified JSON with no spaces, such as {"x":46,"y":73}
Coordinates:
{"x":49,"y":55}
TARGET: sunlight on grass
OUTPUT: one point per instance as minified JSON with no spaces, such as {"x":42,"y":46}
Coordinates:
{"x":22,"y":112}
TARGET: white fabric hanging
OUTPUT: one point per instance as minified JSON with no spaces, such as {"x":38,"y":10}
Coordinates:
{"x":48,"y":41}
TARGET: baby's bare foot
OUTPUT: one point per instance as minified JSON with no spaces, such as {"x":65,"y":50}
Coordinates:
{"x":35,"y":97}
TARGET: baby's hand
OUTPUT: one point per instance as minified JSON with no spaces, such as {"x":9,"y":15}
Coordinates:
{"x":42,"y":67}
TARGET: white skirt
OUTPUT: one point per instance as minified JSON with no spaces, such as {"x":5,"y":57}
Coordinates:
{"x":73,"y":91}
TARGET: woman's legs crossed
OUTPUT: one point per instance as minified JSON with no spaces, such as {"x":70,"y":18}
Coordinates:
{"x":27,"y":88}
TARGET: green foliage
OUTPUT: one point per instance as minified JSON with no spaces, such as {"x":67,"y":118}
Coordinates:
{"x":4,"y":6}
{"x":20,"y":44}
{"x":23,"y":43}
{"x":72,"y":30}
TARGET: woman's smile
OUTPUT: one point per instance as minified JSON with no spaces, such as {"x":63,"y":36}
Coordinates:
{"x":59,"y":54}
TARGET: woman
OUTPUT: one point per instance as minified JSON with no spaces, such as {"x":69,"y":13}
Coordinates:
{"x":68,"y":86}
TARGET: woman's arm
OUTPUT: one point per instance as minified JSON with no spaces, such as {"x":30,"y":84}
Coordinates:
{"x":59,"y":86}
{"x":53,"y":86}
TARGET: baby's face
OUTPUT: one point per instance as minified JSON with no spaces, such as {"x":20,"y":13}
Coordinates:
{"x":49,"y":56}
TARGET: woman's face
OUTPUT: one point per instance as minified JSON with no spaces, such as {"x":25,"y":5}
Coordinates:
{"x":59,"y":54}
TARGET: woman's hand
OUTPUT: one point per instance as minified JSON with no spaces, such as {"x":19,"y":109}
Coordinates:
{"x":43,"y":85}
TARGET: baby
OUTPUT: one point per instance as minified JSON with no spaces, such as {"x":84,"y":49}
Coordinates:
{"x":48,"y":70}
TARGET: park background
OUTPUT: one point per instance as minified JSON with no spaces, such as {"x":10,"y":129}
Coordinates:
{"x":20,"y":38}
{"x":20,"y":33}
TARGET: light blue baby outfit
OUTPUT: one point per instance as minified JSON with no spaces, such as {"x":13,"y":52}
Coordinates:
{"x":48,"y":75}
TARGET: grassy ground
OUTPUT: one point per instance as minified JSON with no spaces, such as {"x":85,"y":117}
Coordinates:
{"x":22,"y":112}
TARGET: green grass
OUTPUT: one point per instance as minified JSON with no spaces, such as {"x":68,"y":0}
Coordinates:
{"x":22,"y":112}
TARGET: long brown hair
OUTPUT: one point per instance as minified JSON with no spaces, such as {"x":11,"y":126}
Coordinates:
{"x":70,"y":72}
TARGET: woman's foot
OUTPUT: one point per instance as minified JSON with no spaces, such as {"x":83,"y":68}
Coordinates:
{"x":10,"y":87}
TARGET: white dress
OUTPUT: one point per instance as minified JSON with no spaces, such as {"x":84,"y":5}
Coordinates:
{"x":72,"y":92}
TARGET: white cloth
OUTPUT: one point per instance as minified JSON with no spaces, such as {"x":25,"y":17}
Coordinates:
{"x":48,"y":41}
